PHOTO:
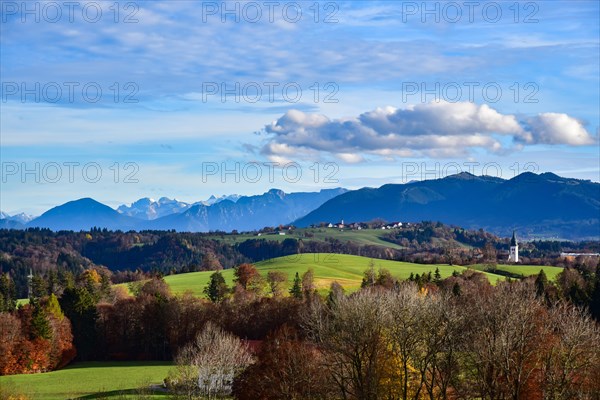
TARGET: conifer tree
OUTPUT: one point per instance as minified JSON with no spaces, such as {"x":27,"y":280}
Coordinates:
{"x":296,"y":290}
{"x":217,"y":289}
{"x":541,"y":283}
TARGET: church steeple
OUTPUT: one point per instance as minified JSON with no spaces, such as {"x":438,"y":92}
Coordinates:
{"x":514,"y":249}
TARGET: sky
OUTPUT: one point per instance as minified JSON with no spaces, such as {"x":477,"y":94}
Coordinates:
{"x":129,"y":99}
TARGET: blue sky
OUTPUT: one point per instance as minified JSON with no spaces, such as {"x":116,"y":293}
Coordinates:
{"x":509,"y":86}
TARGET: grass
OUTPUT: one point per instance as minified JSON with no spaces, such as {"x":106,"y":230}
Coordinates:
{"x":524,"y":270}
{"x":345,"y":269}
{"x":362,"y":237}
{"x":91,"y":380}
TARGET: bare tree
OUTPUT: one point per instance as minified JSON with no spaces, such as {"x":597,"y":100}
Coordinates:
{"x":276,"y":281}
{"x":506,"y":336}
{"x":437,"y":353}
{"x":571,"y":363}
{"x":207,"y":366}
{"x":353,"y":336}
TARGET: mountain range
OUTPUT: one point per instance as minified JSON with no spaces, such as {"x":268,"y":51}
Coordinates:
{"x":544,"y":206}
{"x":225,"y":213}
{"x":20,"y":218}
{"x":149,"y":209}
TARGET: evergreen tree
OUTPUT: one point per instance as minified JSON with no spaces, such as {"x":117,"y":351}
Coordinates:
{"x":437,"y":277}
{"x":40,"y":326}
{"x":368,"y":278}
{"x":8,"y":293}
{"x":53,"y":307}
{"x":105,"y":285}
{"x":39,"y":287}
{"x":53,"y":283}
{"x":79,"y":305}
{"x":66,"y":279}
{"x":541,"y":283}
{"x":296,"y":290}
{"x":595,"y":296}
{"x":217,"y":289}
{"x":456,"y":289}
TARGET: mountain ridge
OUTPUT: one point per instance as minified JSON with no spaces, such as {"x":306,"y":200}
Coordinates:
{"x":544,"y":204}
{"x":538,"y":205}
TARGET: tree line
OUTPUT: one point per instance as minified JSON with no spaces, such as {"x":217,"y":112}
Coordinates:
{"x":425,"y":338}
{"x":138,"y":255}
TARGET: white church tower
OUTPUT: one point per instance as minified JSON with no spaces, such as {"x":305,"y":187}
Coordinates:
{"x":514,"y":249}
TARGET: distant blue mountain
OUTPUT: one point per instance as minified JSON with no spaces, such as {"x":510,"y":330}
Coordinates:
{"x":248,"y":213}
{"x":544,"y":205}
{"x":537,"y":205}
{"x":83,"y":214}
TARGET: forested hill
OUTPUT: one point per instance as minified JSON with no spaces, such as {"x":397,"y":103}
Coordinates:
{"x":46,"y":252}
{"x":544,"y":205}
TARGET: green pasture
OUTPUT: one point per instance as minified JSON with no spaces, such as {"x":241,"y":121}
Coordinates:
{"x":92,"y":380}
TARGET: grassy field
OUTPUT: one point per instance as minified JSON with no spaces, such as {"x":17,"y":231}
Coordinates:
{"x":91,"y":380}
{"x":345,"y":269}
{"x":362,"y":237}
{"x":524,"y":270}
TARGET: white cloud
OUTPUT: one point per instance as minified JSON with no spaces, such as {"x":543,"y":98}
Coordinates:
{"x":555,"y":128}
{"x":437,"y":129}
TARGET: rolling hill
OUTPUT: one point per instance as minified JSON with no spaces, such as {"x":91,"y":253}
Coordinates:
{"x":92,"y":380}
{"x":328,"y":267}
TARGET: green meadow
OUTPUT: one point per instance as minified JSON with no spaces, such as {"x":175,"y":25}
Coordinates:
{"x":523,"y":270}
{"x":345,"y":269}
{"x":362,"y":237}
{"x":91,"y":380}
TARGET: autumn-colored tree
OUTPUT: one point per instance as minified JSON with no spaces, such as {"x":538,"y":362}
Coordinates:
{"x":245,"y":274}
{"x":276,"y":281}
{"x":571,"y":357}
{"x":353,"y":336}
{"x":10,"y":337}
{"x":210,"y":262}
{"x":287,"y":368}
{"x":36,"y":338}
{"x":308,"y":283}
{"x":336,"y":293}
{"x":508,"y":331}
